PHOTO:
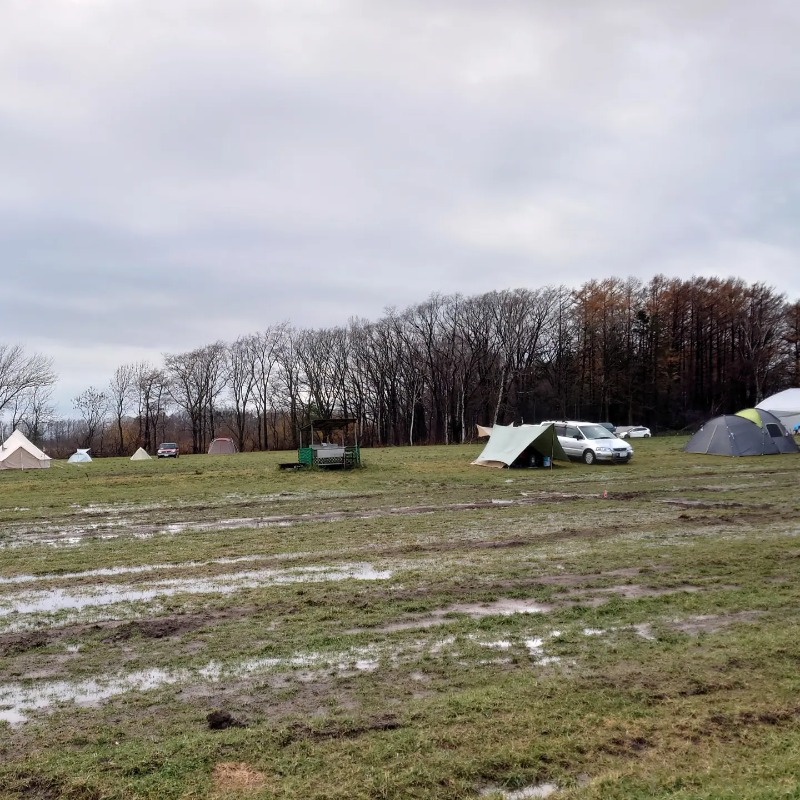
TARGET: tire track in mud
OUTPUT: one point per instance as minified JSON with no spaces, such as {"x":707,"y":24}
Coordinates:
{"x":73,"y":533}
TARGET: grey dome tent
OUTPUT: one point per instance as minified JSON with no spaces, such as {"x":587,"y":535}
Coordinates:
{"x":80,"y":456}
{"x":773,"y":427}
{"x":735,"y":435}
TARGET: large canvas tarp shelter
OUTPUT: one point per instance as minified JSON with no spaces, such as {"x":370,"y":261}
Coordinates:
{"x":222,"y":446}
{"x":80,"y":456}
{"x":735,"y":435}
{"x":17,"y":452}
{"x":509,"y":445}
{"x":140,"y":455}
{"x":785,"y":405}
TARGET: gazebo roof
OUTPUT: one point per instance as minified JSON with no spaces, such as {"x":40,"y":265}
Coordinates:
{"x":330,"y":424}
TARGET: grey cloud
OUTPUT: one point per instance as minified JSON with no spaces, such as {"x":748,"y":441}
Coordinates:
{"x":216,"y":167}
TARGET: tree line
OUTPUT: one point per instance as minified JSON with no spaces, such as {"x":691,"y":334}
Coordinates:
{"x":667,"y":353}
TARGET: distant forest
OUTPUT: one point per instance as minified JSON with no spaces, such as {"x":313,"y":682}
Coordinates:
{"x":668,"y":353}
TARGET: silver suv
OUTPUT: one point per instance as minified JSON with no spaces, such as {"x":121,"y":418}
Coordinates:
{"x":591,"y":442}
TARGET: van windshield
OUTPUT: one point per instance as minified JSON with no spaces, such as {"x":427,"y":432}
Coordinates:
{"x":596,"y":432}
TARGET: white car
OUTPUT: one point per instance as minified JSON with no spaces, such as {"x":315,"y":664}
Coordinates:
{"x":636,"y":432}
{"x":591,"y":442}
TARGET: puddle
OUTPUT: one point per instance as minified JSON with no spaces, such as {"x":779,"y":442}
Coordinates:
{"x":112,"y":571}
{"x":16,"y":699}
{"x":645,"y":630}
{"x":57,"y":599}
{"x":74,"y":533}
{"x":536,"y":651}
{"x":19,"y":700}
{"x":505,"y":607}
{"x":537,"y":790}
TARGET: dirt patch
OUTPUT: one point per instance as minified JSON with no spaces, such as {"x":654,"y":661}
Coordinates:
{"x":220,"y":720}
{"x":158,"y":628}
{"x":13,"y":644}
{"x":232,"y":777}
{"x":626,"y":746}
{"x":574,"y":579}
{"x":711,"y":623}
{"x":442,"y":547}
{"x":338,"y":730}
{"x":35,"y":787}
{"x":685,"y":502}
{"x":504,"y":607}
{"x":731,"y":726}
{"x":634,"y":591}
{"x":115,"y":630}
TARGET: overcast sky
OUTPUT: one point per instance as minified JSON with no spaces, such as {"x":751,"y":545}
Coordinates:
{"x":173,"y":173}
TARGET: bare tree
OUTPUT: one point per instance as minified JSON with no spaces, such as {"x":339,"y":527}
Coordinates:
{"x":759,"y":338}
{"x":323,"y":356}
{"x":92,"y":405}
{"x":150,"y":394}
{"x":33,"y":411}
{"x":289,"y":381}
{"x":264,"y":351}
{"x":196,"y":382}
{"x":20,"y":373}
{"x":121,"y":389}
{"x":241,"y":382}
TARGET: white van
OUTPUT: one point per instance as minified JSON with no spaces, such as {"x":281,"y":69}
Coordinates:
{"x":591,"y":442}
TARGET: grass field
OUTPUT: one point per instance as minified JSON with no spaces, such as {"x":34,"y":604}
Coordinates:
{"x":214,"y":627}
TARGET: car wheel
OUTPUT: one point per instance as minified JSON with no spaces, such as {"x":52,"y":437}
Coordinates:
{"x":588,"y":457}
{"x":646,"y":436}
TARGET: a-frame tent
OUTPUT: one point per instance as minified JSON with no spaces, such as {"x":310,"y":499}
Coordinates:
{"x":523,"y":445}
{"x":140,"y":455}
{"x":17,"y":452}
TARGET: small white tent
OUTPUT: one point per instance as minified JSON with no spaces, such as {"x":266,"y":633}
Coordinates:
{"x":80,"y":456}
{"x":140,"y":455}
{"x":17,"y":452}
{"x":785,"y":406}
{"x":521,"y":446}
